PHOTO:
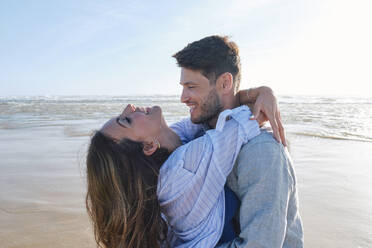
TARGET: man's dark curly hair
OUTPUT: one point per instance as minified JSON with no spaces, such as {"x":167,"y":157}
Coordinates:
{"x":212,"y":56}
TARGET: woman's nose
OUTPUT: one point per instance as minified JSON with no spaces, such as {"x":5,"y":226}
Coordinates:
{"x":130,"y":108}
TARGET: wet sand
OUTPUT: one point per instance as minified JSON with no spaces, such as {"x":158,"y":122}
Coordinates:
{"x":42,"y":190}
{"x":335,"y":187}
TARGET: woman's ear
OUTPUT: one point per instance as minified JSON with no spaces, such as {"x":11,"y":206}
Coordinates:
{"x":149,"y":148}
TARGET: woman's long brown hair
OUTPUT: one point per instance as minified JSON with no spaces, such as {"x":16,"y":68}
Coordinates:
{"x":121,"y":197}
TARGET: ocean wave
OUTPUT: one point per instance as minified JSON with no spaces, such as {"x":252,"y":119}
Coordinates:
{"x":334,"y":137}
{"x":324,"y":103}
{"x":343,"y":118}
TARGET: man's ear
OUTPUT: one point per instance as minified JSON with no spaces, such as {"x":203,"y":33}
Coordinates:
{"x":149,"y":148}
{"x":224,"y":82}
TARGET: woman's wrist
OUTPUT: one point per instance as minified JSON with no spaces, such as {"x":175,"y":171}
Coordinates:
{"x":250,"y":95}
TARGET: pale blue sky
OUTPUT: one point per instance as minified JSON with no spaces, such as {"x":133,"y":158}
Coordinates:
{"x":125,"y":47}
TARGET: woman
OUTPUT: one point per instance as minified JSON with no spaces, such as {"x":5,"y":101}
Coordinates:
{"x":132,"y":178}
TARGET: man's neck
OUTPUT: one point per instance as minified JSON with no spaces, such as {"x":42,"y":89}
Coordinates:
{"x":229,"y":102}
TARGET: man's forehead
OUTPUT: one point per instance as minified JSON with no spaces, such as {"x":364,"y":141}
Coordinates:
{"x":192,"y":77}
{"x":190,"y":72}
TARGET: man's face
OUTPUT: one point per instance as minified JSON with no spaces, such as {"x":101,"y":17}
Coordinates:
{"x":200,"y":96}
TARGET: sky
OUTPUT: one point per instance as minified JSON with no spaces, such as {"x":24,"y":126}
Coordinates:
{"x":300,"y":47}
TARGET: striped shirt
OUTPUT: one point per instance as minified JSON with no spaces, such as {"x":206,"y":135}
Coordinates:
{"x":191,"y":181}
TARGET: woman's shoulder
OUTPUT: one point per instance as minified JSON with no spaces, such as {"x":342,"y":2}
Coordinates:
{"x":187,"y":155}
{"x":173,"y":176}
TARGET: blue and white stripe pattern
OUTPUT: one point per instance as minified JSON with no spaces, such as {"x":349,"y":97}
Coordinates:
{"x":191,"y":181}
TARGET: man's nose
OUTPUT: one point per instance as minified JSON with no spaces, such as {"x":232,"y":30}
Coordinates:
{"x":184,"y":96}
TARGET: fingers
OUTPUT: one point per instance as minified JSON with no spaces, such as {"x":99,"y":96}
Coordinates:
{"x":274,"y":126}
{"x":281,"y":129}
{"x":261,"y":119}
{"x":269,"y":109}
{"x":256,"y":112}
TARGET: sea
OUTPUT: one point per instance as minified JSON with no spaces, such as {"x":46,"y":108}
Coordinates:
{"x":43,"y":143}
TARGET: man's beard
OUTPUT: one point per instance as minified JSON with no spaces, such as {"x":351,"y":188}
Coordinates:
{"x":210,"y":108}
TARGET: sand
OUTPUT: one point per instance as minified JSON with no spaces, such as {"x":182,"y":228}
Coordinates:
{"x":335,"y":189}
{"x":42,"y":190}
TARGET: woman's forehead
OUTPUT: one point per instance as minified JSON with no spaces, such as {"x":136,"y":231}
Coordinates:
{"x":108,"y":124}
{"x":113,"y":129}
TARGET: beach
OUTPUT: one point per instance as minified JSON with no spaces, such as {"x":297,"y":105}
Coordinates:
{"x":43,"y":142}
{"x":334,"y":182}
{"x":42,"y":191}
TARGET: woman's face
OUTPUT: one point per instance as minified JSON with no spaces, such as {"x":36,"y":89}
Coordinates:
{"x":135,"y":123}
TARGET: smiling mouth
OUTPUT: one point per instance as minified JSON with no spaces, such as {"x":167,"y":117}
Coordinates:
{"x":192,"y":107}
{"x":143,"y":110}
{"x":148,"y":110}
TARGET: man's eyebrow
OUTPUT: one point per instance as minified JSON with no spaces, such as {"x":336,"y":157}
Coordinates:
{"x":186,"y":83}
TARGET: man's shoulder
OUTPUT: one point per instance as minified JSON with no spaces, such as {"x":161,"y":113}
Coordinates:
{"x":264,"y":142}
{"x":262,"y":152}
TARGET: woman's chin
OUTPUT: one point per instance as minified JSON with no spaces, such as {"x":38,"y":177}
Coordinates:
{"x":156,"y":111}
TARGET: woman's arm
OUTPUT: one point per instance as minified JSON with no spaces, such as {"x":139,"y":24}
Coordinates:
{"x":192,"y":179}
{"x":226,"y":140}
{"x":263,"y":103}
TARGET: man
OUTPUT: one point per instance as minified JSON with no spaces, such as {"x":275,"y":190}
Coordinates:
{"x":263,"y":177}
